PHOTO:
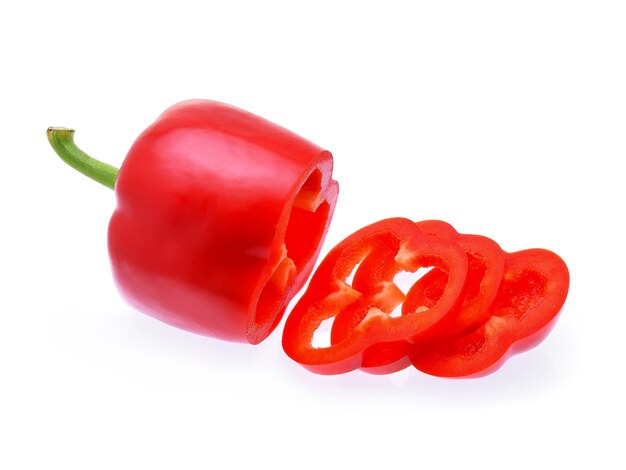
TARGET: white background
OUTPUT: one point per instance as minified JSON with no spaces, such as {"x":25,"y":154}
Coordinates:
{"x":506,"y":119}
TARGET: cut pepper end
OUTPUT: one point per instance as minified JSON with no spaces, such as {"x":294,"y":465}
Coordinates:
{"x":303,"y":231}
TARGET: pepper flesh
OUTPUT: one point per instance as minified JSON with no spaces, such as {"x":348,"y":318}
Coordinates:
{"x":220,"y":217}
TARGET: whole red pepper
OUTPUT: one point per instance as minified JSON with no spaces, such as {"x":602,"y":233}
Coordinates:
{"x":220,"y":217}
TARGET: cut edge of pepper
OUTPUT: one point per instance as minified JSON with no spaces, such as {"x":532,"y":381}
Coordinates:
{"x":300,"y":234}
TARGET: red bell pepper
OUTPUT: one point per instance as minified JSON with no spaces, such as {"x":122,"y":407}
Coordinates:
{"x":394,"y":245}
{"x":533,"y":290}
{"x":485,"y":269}
{"x":220,"y":217}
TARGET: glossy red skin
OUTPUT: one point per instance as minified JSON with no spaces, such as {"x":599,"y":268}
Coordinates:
{"x":208,"y":199}
{"x":399,"y":245}
{"x":485,"y":270}
{"x":533,"y":291}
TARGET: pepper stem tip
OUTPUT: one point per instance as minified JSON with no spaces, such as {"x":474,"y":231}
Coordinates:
{"x":62,"y":141}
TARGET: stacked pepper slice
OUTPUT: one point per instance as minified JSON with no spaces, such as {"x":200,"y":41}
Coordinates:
{"x":464,"y":317}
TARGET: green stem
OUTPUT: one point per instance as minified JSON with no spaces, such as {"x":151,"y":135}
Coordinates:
{"x":62,"y":141}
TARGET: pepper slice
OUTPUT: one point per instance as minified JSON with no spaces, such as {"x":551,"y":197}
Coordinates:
{"x":220,"y":217}
{"x":485,"y":270}
{"x":399,"y":246}
{"x":533,"y":291}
